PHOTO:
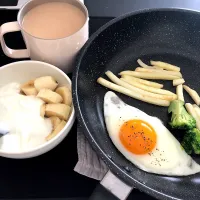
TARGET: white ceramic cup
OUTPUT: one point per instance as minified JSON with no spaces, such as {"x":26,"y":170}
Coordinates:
{"x":58,"y":52}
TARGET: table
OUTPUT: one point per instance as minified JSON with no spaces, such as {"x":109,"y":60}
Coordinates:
{"x":50,"y":175}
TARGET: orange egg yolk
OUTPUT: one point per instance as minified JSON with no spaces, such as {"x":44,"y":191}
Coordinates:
{"x":138,"y":136}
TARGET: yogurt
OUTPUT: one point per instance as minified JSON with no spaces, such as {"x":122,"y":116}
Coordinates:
{"x":21,"y":116}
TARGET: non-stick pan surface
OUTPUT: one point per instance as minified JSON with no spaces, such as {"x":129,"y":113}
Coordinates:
{"x":170,"y":35}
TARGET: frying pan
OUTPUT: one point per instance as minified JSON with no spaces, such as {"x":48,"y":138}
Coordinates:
{"x":170,"y":35}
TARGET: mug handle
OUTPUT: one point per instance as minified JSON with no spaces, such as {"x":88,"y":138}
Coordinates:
{"x":12,"y":53}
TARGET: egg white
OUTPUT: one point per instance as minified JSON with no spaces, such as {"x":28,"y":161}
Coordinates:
{"x":168,"y":157}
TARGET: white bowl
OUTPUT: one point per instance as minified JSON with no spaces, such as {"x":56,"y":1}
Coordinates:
{"x":24,"y":71}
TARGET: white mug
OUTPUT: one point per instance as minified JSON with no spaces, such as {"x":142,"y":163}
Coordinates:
{"x":58,"y":52}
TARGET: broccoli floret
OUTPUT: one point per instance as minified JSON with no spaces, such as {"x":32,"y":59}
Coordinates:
{"x":195,"y":133}
{"x":187,"y":143}
{"x":191,"y":141}
{"x":180,"y":119}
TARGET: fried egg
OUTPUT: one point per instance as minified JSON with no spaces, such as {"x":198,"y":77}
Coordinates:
{"x":144,"y":140}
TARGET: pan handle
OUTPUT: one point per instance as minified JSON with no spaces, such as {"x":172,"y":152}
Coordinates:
{"x":111,"y":188}
{"x":101,"y":193}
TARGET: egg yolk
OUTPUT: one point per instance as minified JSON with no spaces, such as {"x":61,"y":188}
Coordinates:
{"x":138,"y":136}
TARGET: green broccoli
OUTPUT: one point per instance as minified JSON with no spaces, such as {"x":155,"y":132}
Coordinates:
{"x":187,"y":143}
{"x":180,"y":119}
{"x":191,"y":141}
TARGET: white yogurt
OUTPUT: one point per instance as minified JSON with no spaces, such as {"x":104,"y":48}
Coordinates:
{"x":21,"y":115}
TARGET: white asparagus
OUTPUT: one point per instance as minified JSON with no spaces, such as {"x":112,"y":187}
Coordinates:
{"x":156,"y":67}
{"x":192,"y":112}
{"x":150,"y":69}
{"x":179,"y":92}
{"x":165,"y":65}
{"x":116,"y":80}
{"x":142,"y":64}
{"x":142,"y":81}
{"x":197,"y":110}
{"x":178,"y":81}
{"x":148,"y":88}
{"x":193,"y":94}
{"x":146,"y":75}
{"x":174,"y":73}
{"x":132,"y":94}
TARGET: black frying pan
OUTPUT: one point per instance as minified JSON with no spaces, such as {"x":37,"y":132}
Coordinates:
{"x":170,"y":35}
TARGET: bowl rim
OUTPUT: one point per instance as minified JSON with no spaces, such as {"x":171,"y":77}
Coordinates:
{"x":69,"y":122}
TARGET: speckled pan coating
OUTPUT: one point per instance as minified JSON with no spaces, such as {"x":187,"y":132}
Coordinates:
{"x":171,"y":35}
